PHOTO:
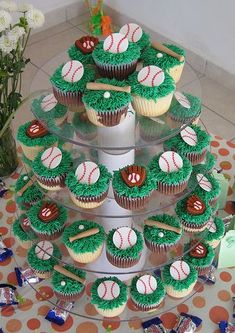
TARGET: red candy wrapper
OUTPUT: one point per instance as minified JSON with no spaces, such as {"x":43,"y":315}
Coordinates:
{"x":153,"y":326}
{"x":7,"y":295}
{"x":26,"y":276}
{"x":186,"y":323}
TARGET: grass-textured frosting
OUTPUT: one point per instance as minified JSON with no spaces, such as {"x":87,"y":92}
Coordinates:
{"x":43,"y":265}
{"x":79,"y":86}
{"x":65,"y":131}
{"x":166,"y":62}
{"x":47,"y":228}
{"x":170,"y":237}
{"x":133,"y":192}
{"x":118,"y":99}
{"x":199,"y":262}
{"x":75,"y":54}
{"x":177,"y":143}
{"x":132,"y":54}
{"x":108,"y":304}
{"x":151,"y":93}
{"x":177,"y":284}
{"x":85,"y":127}
{"x":208,"y":165}
{"x":58,"y":111}
{"x":31,"y":194}
{"x":144,"y":41}
{"x":215,"y":191}
{"x":85,"y":190}
{"x":20,"y":233}
{"x":178,"y":112}
{"x":147,"y":299}
{"x":72,"y":286}
{"x":45,"y":141}
{"x":25,"y":160}
{"x":170,"y":178}
{"x":61,"y":169}
{"x":211,"y":236}
{"x":83,"y":245}
{"x":130,"y":252}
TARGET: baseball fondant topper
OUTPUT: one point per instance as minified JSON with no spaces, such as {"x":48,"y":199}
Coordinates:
{"x":170,"y":161}
{"x":182,"y":99}
{"x":124,"y":238}
{"x":189,"y":136}
{"x":203,"y":182}
{"x":36,"y":130}
{"x":87,"y":173}
{"x":211,"y":226}
{"x":134,"y":175}
{"x":86,"y":44}
{"x":108,"y":290}
{"x":179,"y":270}
{"x":48,"y":102}
{"x":48,"y":212}
{"x":44,"y":250}
{"x":195,"y":205}
{"x":132,"y":31}
{"x":198,"y":249}
{"x":51,"y":157}
{"x":151,"y":76}
{"x":116,"y":43}
{"x":72,"y":71}
{"x":25,"y":224}
{"x":146,"y":284}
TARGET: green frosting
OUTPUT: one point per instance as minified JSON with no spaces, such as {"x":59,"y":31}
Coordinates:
{"x":130,"y":252}
{"x":47,"y":228}
{"x":178,"y":112}
{"x":57,"y":112}
{"x":31,"y":194}
{"x":177,"y":143}
{"x":108,"y":304}
{"x":147,"y":299}
{"x":83,"y":126}
{"x":207,"y":196}
{"x":144,"y":41}
{"x":76,"y":54}
{"x":118,"y":99}
{"x":170,"y":178}
{"x":43,"y":265}
{"x":133,"y":192}
{"x":85,"y":190}
{"x":199,"y":262}
{"x":45,"y":141}
{"x":20,"y":233}
{"x":79,"y":86}
{"x":170,"y":237}
{"x":25,"y":160}
{"x":60,"y":170}
{"x":83,"y":245}
{"x":206,"y":167}
{"x":165,"y":62}
{"x":179,"y":285}
{"x":100,"y":56}
{"x":72,"y":286}
{"x":151,"y":93}
{"x":211,"y":236}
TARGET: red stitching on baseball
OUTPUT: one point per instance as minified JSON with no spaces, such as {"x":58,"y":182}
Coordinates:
{"x":84,"y":171}
{"x":120,"y":235}
{"x":59,"y":154}
{"x":76,"y":70}
{"x":154,"y":77}
{"x":187,"y":136}
{"x":113,"y":284}
{"x":53,"y":102}
{"x":168,"y":165}
{"x":71,"y":65}
{"x":184,"y":99}
{"x":119,"y":43}
{"x":45,"y":158}
{"x":173,"y":158}
{"x":105,"y":289}
{"x":150,"y":283}
{"x":89,"y":177}
{"x":176,"y":271}
{"x":133,"y":33}
{"x":128,"y":30}
{"x":48,"y":100}
{"x":128,"y":237}
{"x":111,"y":44}
{"x":181,"y":266}
{"x":185,"y":129}
{"x":148,"y":67}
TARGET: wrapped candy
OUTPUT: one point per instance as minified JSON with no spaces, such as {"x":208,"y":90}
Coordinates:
{"x":7,"y":295}
{"x":4,"y":251}
{"x":60,"y":312}
{"x":3,"y":188}
{"x":186,"y":323}
{"x":233,"y":299}
{"x":210,"y":277}
{"x":153,"y":326}
{"x":26,"y":276}
{"x":226,"y":327}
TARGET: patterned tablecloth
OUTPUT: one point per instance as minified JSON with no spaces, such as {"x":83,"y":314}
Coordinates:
{"x":211,"y":303}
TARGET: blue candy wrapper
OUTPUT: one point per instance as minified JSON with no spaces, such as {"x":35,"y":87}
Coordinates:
{"x":233,"y":299}
{"x":210,"y":277}
{"x":60,"y":312}
{"x":226,"y":327}
{"x":153,"y":326}
{"x":3,"y":188}
{"x":4,"y":251}
{"x":7,"y":295}
{"x":1,"y":331}
{"x":186,"y":323}
{"x":26,"y":276}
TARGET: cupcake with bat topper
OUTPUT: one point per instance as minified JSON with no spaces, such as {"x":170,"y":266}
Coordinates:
{"x":84,"y":240}
{"x":42,"y":257}
{"x":109,"y":296}
{"x":34,"y":137}
{"x":47,"y":219}
{"x":207,"y":187}
{"x":171,"y":172}
{"x":88,"y":185}
{"x":23,"y":232}
{"x":133,"y":186}
{"x":116,"y":57}
{"x":84,"y":129}
{"x":124,"y":247}
{"x":107,"y":101}
{"x":82,"y":49}
{"x":179,"y":278}
{"x":147,"y":292}
{"x":192,"y":142}
{"x":215,"y":230}
{"x":69,"y":82}
{"x":135,"y":34}
{"x":51,"y":167}
{"x":152,"y":91}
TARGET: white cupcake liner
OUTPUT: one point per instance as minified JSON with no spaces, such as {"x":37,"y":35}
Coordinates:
{"x":151,"y":108}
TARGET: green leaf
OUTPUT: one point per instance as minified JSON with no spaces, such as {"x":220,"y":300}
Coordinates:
{"x":3,"y":73}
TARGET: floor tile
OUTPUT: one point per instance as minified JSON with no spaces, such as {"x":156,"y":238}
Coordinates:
{"x":79,"y":19}
{"x":52,"y":64}
{"x":193,"y":87}
{"x":189,"y":75}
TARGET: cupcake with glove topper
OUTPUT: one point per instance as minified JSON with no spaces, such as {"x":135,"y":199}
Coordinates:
{"x":82,"y":49}
{"x":135,"y":34}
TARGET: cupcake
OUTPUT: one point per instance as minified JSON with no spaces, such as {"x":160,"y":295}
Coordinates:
{"x":84,"y":240}
{"x":23,"y":232}
{"x":171,"y":172}
{"x":27,"y":193}
{"x":82,"y":49}
{"x":47,"y":219}
{"x":172,"y":65}
{"x":109,"y":296}
{"x":116,"y":57}
{"x":88,"y":186}
{"x":42,"y":257}
{"x":107,"y":101}
{"x":208,"y":187}
{"x":51,"y":167}
{"x":179,"y":278}
{"x":68,"y":287}
{"x":135,"y":34}
{"x":69,"y":82}
{"x":133,"y":186}
{"x":84,"y":129}
{"x":193,"y":213}
{"x":147,"y":292}
{"x":200,"y":255}
{"x":152,"y":91}
{"x":162,"y":232}
{"x":192,"y":142}
{"x":151,"y":130}
{"x":207,"y":165}
{"x":215,"y":230}
{"x":33,"y":138}
{"x":124,"y":247}
{"x":46,"y":108}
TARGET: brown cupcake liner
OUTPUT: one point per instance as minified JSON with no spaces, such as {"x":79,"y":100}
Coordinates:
{"x":121,"y":262}
{"x":52,"y":182}
{"x":160,"y":248}
{"x":69,"y":298}
{"x":119,"y":72}
{"x":55,"y":235}
{"x":196,"y":158}
{"x":172,"y":189}
{"x":131,"y":203}
{"x":143,"y":307}
{"x":110,"y":119}
{"x":68,"y":98}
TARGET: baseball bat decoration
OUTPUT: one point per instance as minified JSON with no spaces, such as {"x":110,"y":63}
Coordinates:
{"x":134,"y":175}
{"x":84,"y":234}
{"x":151,"y":76}
{"x":161,"y":225}
{"x":104,"y":86}
{"x":116,"y":43}
{"x":27,"y":185}
{"x":160,"y":47}
{"x":69,"y":274}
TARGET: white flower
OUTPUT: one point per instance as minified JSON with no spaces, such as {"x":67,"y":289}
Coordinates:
{"x":5,"y":20}
{"x":10,"y":6}
{"x":6,"y":44}
{"x":16,"y":33}
{"x":24,"y":7}
{"x":35,"y":18}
